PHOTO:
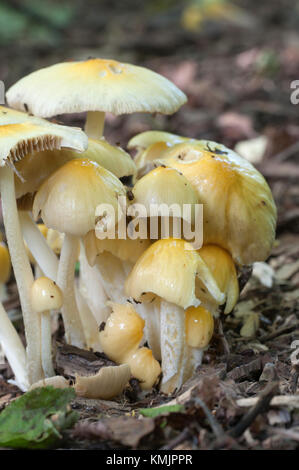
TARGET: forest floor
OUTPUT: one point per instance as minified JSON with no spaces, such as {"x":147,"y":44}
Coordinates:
{"x":237,"y":79}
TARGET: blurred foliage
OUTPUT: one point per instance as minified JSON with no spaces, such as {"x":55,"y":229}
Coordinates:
{"x":34,"y":20}
{"x":199,"y":11}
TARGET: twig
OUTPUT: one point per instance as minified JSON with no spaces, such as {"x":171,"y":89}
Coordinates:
{"x":261,"y":406}
{"x":215,"y":426}
{"x":291,"y":401}
{"x":223,"y":338}
{"x":278,"y":332}
{"x":177,"y":440}
{"x":287,"y":433}
{"x":286,"y":153}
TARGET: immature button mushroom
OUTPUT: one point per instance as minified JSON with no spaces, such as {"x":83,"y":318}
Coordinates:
{"x":199,"y":327}
{"x":171,"y":269}
{"x":67,"y":202}
{"x":96,"y":86}
{"x":120,"y":341}
{"x":17,"y":140}
{"x":122,"y":333}
{"x":239,"y":211}
{"x":46,"y":296}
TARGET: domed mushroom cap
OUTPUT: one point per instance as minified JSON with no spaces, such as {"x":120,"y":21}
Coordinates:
{"x":17,"y":140}
{"x":147,"y":138}
{"x":36,"y":167}
{"x":45,"y":295}
{"x":95,"y":85}
{"x":67,"y":201}
{"x":170,"y":269}
{"x":239,"y":211}
{"x":164,"y":186}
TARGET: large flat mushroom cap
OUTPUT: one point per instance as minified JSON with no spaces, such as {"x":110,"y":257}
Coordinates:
{"x":95,"y":85}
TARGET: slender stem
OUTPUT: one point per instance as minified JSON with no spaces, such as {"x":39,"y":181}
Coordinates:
{"x":37,"y":244}
{"x":112,"y":276}
{"x":65,"y":279}
{"x":151,"y":314}
{"x":13,"y":349}
{"x":90,"y":286}
{"x":47,"y":344}
{"x":90,"y":325}
{"x":23,"y":273}
{"x":172,"y":345}
{"x":94,"y":125}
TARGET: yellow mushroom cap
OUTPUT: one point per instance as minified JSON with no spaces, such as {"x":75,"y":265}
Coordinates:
{"x":170,"y":269}
{"x":144,"y":367}
{"x":67,"y":201}
{"x":122,"y":333}
{"x":45,"y":295}
{"x":148,"y":138}
{"x":223,"y":269}
{"x":17,"y":140}
{"x":124,"y":249}
{"x":199,"y":324}
{"x":95,"y":85}
{"x":5,"y":264}
{"x":36,"y":167}
{"x":164,"y":186}
{"x":150,"y":154}
{"x":239,"y":212}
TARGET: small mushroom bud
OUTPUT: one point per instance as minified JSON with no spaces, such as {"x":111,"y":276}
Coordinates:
{"x":46,"y":296}
{"x":199,"y":327}
{"x":144,"y":367}
{"x":123,"y":332}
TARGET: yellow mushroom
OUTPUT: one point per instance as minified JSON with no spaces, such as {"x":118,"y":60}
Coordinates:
{"x":46,"y":296}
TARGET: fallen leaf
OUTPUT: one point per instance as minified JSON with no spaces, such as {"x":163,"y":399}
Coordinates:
{"x":37,"y":418}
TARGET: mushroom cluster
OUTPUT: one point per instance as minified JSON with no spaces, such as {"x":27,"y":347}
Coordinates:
{"x":148,"y":301}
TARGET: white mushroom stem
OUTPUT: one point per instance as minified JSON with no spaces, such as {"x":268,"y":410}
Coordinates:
{"x":112,"y":276}
{"x":47,"y":344}
{"x":94,"y":125}
{"x":13,"y":350}
{"x":90,"y":325}
{"x":173,"y":340}
{"x":65,"y":279}
{"x":150,"y":312}
{"x":90,"y":285}
{"x":22,"y":271}
{"x":37,"y":244}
